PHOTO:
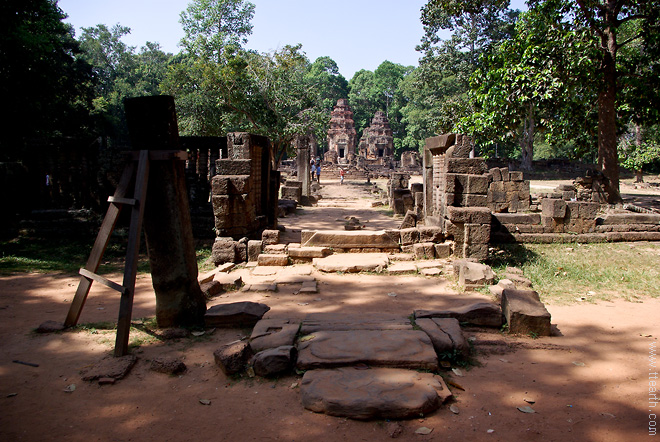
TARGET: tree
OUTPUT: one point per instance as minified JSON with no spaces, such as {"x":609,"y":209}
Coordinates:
{"x":446,"y":65}
{"x":212,"y":25}
{"x":46,"y":87}
{"x":638,"y":148}
{"x":534,"y":80}
{"x":606,"y":20}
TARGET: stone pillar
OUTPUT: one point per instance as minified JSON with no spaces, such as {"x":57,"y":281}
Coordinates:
{"x":179,"y":300}
{"x":302,"y":161}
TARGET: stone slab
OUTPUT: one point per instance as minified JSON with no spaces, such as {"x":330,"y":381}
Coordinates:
{"x":629,"y":218}
{"x":379,"y":393}
{"x":266,"y":270}
{"x":235,"y":314}
{"x":333,"y":321}
{"x":309,"y":252}
{"x":402,"y":268}
{"x":110,"y":367}
{"x":389,"y":348}
{"x":348,"y":239}
{"x":352,"y":262}
{"x":525,"y":313}
{"x":482,"y":314}
{"x":260,"y":287}
{"x":274,"y":361}
{"x":271,"y":259}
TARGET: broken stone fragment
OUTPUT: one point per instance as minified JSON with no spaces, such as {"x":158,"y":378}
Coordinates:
{"x":232,"y":358}
{"x":274,"y":361}
{"x":171,"y":366}
{"x":483,"y":314}
{"x":110,"y":367}
{"x":236,"y":314}
{"x":525,"y":313}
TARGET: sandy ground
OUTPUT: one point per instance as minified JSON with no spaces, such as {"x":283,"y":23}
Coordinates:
{"x":588,"y":383}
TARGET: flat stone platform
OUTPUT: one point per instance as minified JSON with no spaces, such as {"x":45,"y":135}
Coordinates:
{"x":384,"y":393}
{"x":379,"y":348}
{"x":349,"y":239}
{"x":353,"y":262}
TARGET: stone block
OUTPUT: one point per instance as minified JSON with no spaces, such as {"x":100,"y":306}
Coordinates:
{"x":515,"y":175}
{"x":223,"y":250}
{"x":444,"y":250}
{"x":477,"y":233}
{"x":233,"y":167}
{"x":504,"y":171}
{"x":452,"y":328}
{"x":349,"y":239}
{"x":271,"y":259}
{"x":425,"y":250}
{"x":377,"y":393}
{"x":525,"y":313}
{"x":439,"y":145}
{"x":232,"y":358}
{"x":456,"y":231}
{"x":270,"y":237}
{"x":254,"y":249}
{"x":230,"y":184}
{"x":430,"y":234}
{"x":397,"y":206}
{"x":471,"y":274}
{"x":274,"y":361}
{"x":568,"y":195}
{"x":495,"y":173}
{"x":235,"y":315}
{"x":478,"y":252}
{"x":409,"y":221}
{"x":477,"y":184}
{"x":309,"y":252}
{"x":352,"y":263}
{"x":518,"y":218}
{"x":471,"y":215}
{"x":554,"y":208}
{"x":483,"y":314}
{"x":292,"y":193}
{"x":473,"y":166}
{"x":588,"y":210}
{"x":471,"y":200}
{"x":275,"y":249}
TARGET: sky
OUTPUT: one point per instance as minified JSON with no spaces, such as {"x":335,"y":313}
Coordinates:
{"x":356,"y":34}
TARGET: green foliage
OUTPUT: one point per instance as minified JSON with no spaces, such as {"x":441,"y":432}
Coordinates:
{"x":41,"y":78}
{"x":212,"y":25}
{"x":637,"y":150}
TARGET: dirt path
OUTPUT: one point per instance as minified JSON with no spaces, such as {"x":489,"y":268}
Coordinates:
{"x":589,"y":384}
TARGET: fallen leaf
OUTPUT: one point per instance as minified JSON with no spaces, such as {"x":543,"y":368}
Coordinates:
{"x":609,"y":415}
{"x":198,"y":333}
{"x":424,"y":430}
{"x":303,"y":303}
{"x":445,"y":364}
{"x":454,"y":409}
{"x":250,"y":372}
{"x":579,"y":364}
{"x":70,"y":388}
{"x":526,"y":409}
{"x":12,"y":394}
{"x":307,"y":338}
{"x":504,"y":360}
{"x":490,"y":431}
{"x":529,"y":401}
{"x":458,"y":372}
{"x":294,"y":385}
{"x":205,"y":402}
{"x":454,"y":384}
{"x":392,"y":295}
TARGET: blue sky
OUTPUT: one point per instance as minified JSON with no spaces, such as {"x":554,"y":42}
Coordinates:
{"x":357,"y":34}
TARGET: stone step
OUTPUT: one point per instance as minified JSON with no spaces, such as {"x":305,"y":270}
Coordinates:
{"x":352,"y":262}
{"x":379,"y":348}
{"x":379,"y":393}
{"x":352,"y":239}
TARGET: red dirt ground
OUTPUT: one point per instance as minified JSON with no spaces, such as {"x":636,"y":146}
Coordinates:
{"x":591,"y":383}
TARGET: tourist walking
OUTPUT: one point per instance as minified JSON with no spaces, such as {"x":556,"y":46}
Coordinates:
{"x":318,"y":173}
{"x":342,"y":172}
{"x":312,"y":167}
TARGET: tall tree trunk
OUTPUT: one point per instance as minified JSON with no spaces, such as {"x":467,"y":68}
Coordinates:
{"x":608,"y":158}
{"x":527,"y":140}
{"x":639,"y":136}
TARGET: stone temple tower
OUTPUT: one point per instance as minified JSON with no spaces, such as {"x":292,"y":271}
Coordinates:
{"x":341,"y":135}
{"x":377,"y":141}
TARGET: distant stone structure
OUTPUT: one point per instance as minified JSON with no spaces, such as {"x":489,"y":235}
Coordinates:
{"x":245,"y":188}
{"x":341,"y":135}
{"x":377,"y":142}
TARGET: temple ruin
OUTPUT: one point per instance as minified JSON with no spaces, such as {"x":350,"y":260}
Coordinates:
{"x":341,"y":135}
{"x":377,"y":143}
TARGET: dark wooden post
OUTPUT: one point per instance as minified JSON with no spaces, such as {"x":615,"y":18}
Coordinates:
{"x":152,"y":125}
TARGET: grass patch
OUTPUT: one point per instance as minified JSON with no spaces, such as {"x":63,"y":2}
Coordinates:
{"x":570,"y":273}
{"x":67,"y":255}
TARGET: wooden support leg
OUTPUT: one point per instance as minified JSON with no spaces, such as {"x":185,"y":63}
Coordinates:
{"x":130,"y":269}
{"x":101,"y":243}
